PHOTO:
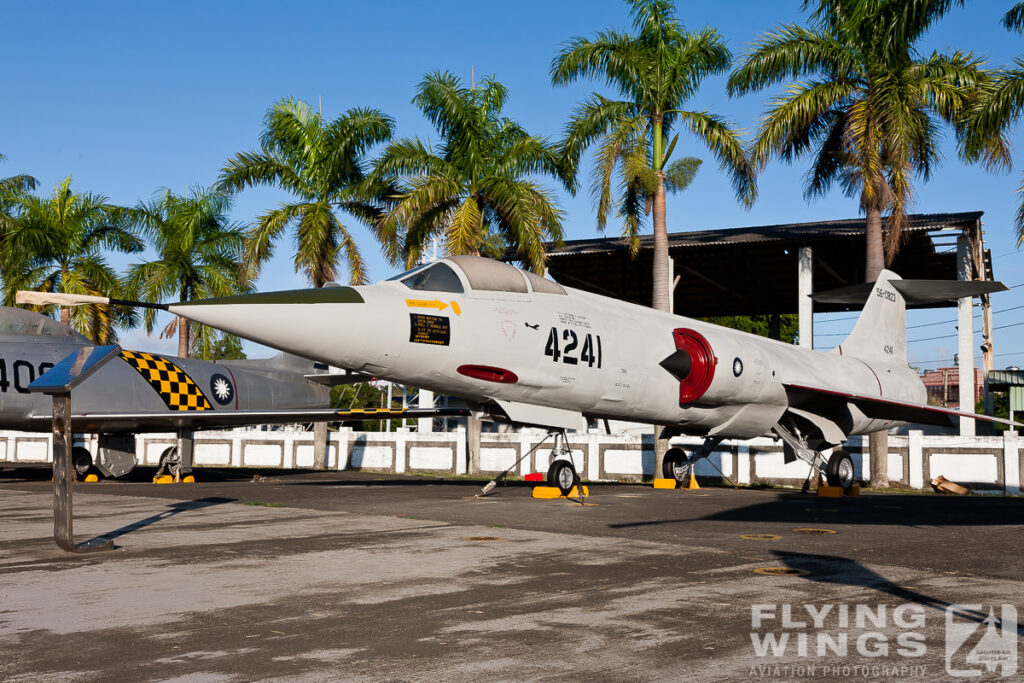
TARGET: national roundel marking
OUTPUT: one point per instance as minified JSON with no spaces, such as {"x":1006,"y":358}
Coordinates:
{"x":177,"y":389}
{"x":737,"y":367}
{"x":221,"y":389}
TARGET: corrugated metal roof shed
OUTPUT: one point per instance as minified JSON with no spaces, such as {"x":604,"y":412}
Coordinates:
{"x":753,"y":270}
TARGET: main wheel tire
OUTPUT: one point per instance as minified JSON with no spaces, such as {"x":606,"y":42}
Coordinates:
{"x":563,"y":475}
{"x":81,"y":461}
{"x":839,"y":471}
{"x":676,"y":465}
{"x":170,"y":461}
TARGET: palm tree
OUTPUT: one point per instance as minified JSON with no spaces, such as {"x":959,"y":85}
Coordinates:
{"x":656,"y":72}
{"x":477,"y":184}
{"x":862,"y":102}
{"x":10,"y":189}
{"x":60,"y":242}
{"x":999,"y":104}
{"x":322,"y":165}
{"x":199,"y":252}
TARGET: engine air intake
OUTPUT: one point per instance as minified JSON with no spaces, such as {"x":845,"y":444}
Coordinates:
{"x":693,"y":364}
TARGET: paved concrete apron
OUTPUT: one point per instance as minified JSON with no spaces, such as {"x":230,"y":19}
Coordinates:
{"x":414,"y":582}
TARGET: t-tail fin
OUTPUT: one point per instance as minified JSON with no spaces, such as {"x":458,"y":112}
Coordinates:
{"x":881,"y":330}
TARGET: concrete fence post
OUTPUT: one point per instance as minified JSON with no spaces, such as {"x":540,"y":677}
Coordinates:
{"x":461,"y":465}
{"x":915,"y":458}
{"x":341,"y":439}
{"x":401,"y":436}
{"x":1011,"y":463}
{"x":593,"y":454}
{"x":743,"y":463}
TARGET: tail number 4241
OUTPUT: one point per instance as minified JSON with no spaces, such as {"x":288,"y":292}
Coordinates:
{"x":565,"y":351}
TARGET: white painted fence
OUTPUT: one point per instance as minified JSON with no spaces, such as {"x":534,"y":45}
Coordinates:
{"x":981,"y":463}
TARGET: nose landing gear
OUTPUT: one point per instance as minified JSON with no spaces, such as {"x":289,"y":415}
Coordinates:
{"x":562,"y":471}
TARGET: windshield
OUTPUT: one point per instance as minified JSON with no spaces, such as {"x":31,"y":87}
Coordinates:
{"x":437,"y":277}
{"x":407,"y":273}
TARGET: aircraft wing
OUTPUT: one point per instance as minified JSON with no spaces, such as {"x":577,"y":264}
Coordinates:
{"x":885,"y":408}
{"x":216,"y":419}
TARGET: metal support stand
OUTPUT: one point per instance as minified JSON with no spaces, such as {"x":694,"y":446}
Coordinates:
{"x":185,"y":451}
{"x":64,"y":481}
{"x":59,"y":382}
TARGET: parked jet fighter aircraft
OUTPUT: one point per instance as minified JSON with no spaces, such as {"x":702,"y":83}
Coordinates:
{"x":526,"y":349}
{"x":153,"y":393}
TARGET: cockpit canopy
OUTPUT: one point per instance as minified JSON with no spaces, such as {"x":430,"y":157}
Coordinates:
{"x":17,"y":321}
{"x":455,"y":273}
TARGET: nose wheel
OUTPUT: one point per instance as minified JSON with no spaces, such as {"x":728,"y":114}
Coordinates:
{"x":562,"y":474}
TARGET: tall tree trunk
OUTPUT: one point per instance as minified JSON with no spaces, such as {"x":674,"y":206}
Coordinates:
{"x":660,"y":298}
{"x":182,"y":337}
{"x":662,"y":289}
{"x":661,"y":294}
{"x":874,"y":260}
{"x":878,"y":442}
{"x":65,"y":312}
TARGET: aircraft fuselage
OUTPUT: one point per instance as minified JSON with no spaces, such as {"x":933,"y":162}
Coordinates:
{"x":572,"y":351}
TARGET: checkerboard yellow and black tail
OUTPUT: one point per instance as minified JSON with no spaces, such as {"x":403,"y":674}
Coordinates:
{"x":176,"y":388}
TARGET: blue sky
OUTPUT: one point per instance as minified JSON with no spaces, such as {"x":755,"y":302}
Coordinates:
{"x":129,"y":97}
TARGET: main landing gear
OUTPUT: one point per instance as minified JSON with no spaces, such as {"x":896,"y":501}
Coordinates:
{"x":81,"y":461}
{"x":837,"y":468}
{"x":677,"y":465}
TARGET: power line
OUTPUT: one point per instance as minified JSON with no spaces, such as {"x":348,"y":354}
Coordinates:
{"x":950,"y":360}
{"x":950,"y":336}
{"x":941,"y":322}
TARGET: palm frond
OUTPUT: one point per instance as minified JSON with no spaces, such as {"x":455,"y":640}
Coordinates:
{"x":1013,"y":20}
{"x":788,"y":53}
{"x":725,"y":144}
{"x":680,"y":173}
{"x":465,"y":231}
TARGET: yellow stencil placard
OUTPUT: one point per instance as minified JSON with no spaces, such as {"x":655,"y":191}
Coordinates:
{"x":426,"y":303}
{"x":176,"y":388}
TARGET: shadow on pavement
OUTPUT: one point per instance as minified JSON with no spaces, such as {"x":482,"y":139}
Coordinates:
{"x":889,"y":509}
{"x":172,"y":510}
{"x":846,"y":572}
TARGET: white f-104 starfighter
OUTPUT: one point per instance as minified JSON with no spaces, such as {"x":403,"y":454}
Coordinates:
{"x":524,"y":349}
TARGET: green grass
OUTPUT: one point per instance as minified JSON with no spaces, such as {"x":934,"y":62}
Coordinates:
{"x":264,"y":503}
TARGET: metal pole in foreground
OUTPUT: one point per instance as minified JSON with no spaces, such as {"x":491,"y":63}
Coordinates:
{"x":58,"y":382}
{"x":62,"y":483}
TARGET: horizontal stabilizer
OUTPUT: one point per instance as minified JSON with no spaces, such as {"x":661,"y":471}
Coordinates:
{"x":915,"y":292}
{"x":881,"y":408}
